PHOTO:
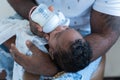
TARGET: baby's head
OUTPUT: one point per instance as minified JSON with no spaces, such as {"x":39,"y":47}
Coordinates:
{"x":69,"y":50}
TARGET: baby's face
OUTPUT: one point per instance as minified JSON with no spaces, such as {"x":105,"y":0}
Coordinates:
{"x":62,"y":36}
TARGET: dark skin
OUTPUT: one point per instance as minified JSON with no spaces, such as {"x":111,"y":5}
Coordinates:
{"x":105,"y":32}
{"x":22,"y":6}
{"x":2,"y":75}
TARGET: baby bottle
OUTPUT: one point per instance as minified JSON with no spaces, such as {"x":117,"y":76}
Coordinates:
{"x":47,"y":19}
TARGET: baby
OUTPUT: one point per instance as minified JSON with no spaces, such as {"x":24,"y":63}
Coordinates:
{"x":67,"y":48}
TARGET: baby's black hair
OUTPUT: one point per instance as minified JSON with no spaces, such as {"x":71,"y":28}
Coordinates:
{"x":75,"y":58}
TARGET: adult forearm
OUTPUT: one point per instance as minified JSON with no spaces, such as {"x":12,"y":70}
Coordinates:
{"x":105,"y":32}
{"x":22,"y":7}
{"x":100,"y":43}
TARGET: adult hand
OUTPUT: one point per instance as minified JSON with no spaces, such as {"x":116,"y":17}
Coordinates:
{"x":36,"y":28}
{"x":38,"y":63}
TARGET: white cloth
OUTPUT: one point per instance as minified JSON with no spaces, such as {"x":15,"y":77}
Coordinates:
{"x":6,"y":63}
{"x":111,"y":7}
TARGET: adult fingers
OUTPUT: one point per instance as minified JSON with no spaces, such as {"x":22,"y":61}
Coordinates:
{"x":33,"y":48}
{"x":51,"y":8}
{"x":34,"y":25}
{"x":20,"y":58}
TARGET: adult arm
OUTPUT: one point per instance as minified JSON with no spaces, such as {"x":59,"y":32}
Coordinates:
{"x":105,"y":32}
{"x":22,"y":7}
